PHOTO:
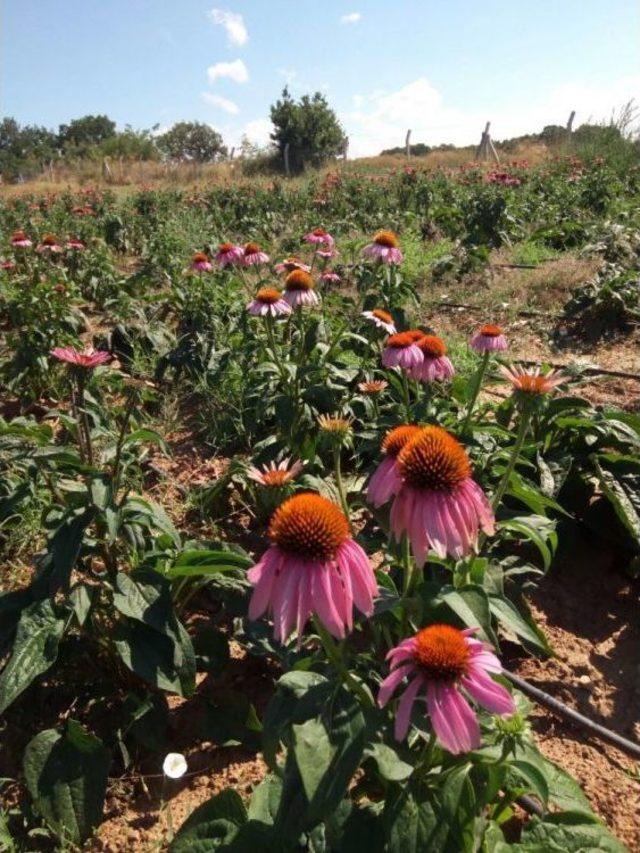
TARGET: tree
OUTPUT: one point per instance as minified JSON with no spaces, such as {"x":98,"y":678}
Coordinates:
{"x":24,"y":149}
{"x":310,"y":127}
{"x":85,"y":132}
{"x":192,"y":140}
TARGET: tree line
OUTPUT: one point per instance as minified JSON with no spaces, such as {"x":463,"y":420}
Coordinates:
{"x":308,"y":126}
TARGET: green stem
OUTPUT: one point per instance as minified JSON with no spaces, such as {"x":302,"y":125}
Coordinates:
{"x":115,"y":473}
{"x":407,"y":397}
{"x":334,"y":654}
{"x":424,"y":761}
{"x":525,"y":418}
{"x":407,"y":565}
{"x":339,"y":482}
{"x":476,"y":389}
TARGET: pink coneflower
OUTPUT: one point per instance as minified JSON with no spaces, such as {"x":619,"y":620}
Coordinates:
{"x":20,"y":240}
{"x":268,"y":302}
{"x":254,"y":256}
{"x":435,"y":366}
{"x":385,"y":481}
{"x":319,"y":237}
{"x":7,"y":265}
{"x":439,"y":506}
{"x":327,"y":254}
{"x":401,"y":350}
{"x":442,"y":661}
{"x":299,"y":289}
{"x":312,"y":566}
{"x":76,"y":244}
{"x":87,"y":359}
{"x":290,"y":264}
{"x":488,"y":338}
{"x":531,"y":382}
{"x":49,"y":244}
{"x":382,"y":319}
{"x":200,"y":262}
{"x":275,"y":476}
{"x":384,"y":248}
{"x":372,"y":387}
{"x":229,"y":254}
{"x":330,"y":277}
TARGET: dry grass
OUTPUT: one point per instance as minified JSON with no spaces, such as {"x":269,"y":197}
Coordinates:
{"x":131,"y":175}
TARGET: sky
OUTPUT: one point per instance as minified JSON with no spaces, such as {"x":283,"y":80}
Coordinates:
{"x":439,"y":67}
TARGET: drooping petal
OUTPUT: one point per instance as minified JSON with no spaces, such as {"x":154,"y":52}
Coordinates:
{"x":488,"y":693}
{"x":403,"y":714}
{"x":388,"y":686}
{"x":453,"y":719}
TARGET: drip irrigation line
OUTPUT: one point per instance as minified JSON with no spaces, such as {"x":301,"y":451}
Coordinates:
{"x":576,"y":717}
{"x":530,"y":805}
{"x":483,"y":309}
{"x":595,"y":370}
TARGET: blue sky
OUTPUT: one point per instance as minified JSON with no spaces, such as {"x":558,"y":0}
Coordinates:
{"x":441,"y":67}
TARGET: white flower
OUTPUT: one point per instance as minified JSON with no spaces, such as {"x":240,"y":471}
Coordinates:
{"x":175,"y":765}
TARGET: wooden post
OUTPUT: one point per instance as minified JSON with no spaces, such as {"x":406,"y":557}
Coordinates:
{"x":407,"y":144}
{"x":231,"y":153}
{"x":286,"y":160}
{"x":345,"y":150}
{"x":486,"y":146}
{"x":570,"y":124}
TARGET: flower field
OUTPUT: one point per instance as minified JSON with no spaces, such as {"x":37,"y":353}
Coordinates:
{"x":298,"y":482}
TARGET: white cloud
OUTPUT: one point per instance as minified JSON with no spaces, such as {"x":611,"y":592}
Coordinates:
{"x":235,"y":70}
{"x":221,"y":103}
{"x":351,"y":18}
{"x":233,"y":23}
{"x":381,"y":119}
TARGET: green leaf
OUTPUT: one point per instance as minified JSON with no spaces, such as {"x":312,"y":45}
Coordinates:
{"x":230,"y":719}
{"x":212,"y":825}
{"x":35,"y":649}
{"x":202,"y":563}
{"x":211,"y":648}
{"x":81,"y":599}
{"x":512,"y":622}
{"x":626,"y":503}
{"x":153,"y":657}
{"x":572,"y":832}
{"x":390,"y":766}
{"x":280,"y":711}
{"x":265,"y":800}
{"x":65,"y":547}
{"x":66,"y":775}
{"x":538,"y":530}
{"x":328,"y":750}
{"x":471,"y":604}
{"x":147,"y":436}
{"x":411,"y":823}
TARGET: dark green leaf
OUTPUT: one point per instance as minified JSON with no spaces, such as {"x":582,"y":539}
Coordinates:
{"x":35,"y":649}
{"x":66,"y":775}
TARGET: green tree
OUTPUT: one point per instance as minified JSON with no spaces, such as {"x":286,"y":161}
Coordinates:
{"x":192,"y":140}
{"x":310,"y":127}
{"x":83,"y":133}
{"x":24,"y":149}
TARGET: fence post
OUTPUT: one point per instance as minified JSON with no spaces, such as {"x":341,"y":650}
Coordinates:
{"x":407,"y":145}
{"x":486,"y":146}
{"x":570,"y":124}
{"x":345,"y":150}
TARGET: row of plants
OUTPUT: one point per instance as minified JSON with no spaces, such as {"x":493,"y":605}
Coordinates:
{"x":353,"y":439}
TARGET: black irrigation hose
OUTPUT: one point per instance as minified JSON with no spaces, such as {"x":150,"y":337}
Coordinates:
{"x":568,"y":713}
